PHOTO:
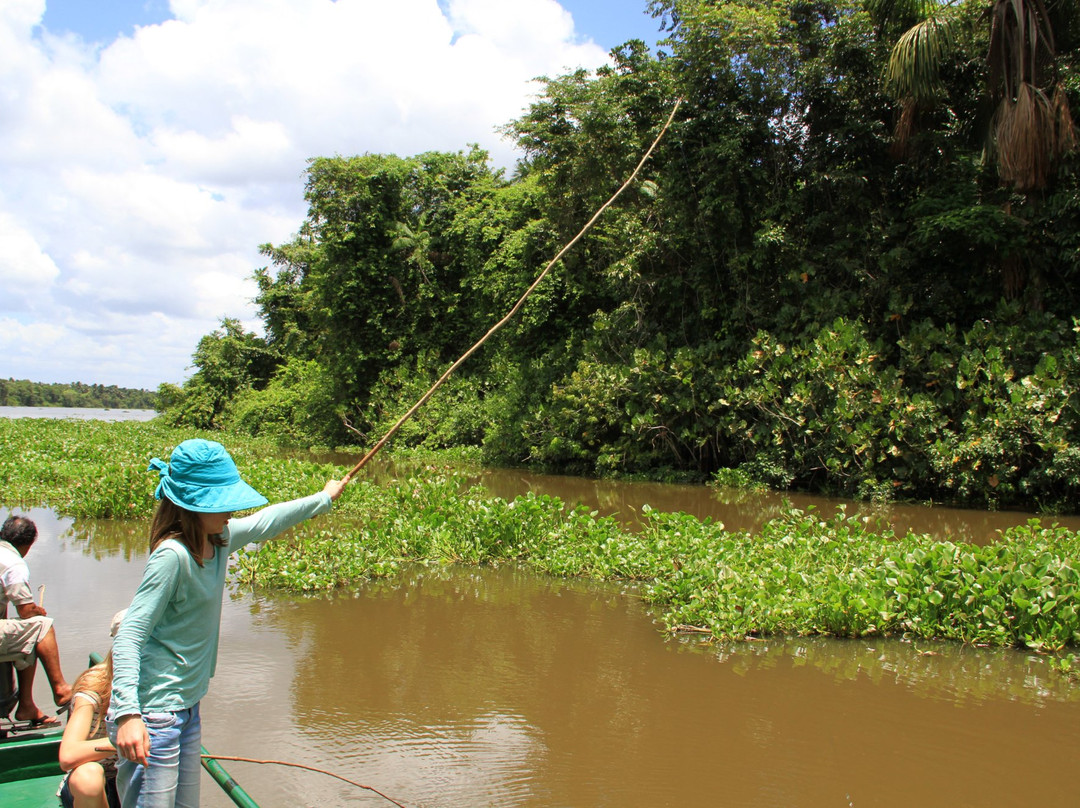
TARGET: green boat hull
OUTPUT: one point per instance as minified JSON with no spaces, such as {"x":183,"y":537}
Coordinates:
{"x":30,"y":771}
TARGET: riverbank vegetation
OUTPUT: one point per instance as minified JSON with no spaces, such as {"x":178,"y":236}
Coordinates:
{"x":802,"y":573}
{"x":852,"y":266}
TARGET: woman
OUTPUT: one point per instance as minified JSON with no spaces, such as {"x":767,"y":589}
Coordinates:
{"x":166,"y":649}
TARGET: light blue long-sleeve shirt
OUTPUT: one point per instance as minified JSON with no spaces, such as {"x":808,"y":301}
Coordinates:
{"x":166,"y":649}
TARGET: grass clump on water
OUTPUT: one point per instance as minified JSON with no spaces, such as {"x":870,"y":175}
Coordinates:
{"x":802,"y":573}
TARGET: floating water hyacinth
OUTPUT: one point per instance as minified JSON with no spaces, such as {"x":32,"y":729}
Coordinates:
{"x":801,"y":573}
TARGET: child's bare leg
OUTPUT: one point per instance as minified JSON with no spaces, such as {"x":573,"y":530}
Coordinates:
{"x":87,"y":784}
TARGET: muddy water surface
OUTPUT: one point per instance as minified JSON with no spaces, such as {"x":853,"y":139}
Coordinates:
{"x":742,"y":510}
{"x":501,"y":688}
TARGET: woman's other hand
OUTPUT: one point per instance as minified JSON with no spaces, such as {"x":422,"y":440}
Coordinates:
{"x":132,"y":739}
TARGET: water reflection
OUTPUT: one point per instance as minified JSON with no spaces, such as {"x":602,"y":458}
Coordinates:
{"x":101,"y":538}
{"x":463,"y":687}
{"x":935,"y":670}
{"x":497,"y":687}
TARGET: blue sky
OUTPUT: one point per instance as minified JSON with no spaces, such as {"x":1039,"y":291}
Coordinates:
{"x":150,"y":146}
{"x":103,"y":21}
{"x":611,"y":22}
{"x":608,"y":22}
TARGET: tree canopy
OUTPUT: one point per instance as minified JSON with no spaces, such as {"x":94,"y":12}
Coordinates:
{"x":828,"y":275}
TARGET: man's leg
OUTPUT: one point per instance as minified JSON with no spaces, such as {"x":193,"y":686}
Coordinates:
{"x":25,"y":641}
{"x":49,"y":654}
{"x":27,"y":709}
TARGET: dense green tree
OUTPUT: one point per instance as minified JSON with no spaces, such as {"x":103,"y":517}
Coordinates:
{"x":1031,"y":126}
{"x":228,"y":361}
{"x":789,"y":291}
{"x":1029,"y":129}
{"x":285,"y":307}
{"x":296,"y":407}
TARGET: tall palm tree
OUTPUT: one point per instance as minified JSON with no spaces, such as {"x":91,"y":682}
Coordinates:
{"x":1032,"y":125}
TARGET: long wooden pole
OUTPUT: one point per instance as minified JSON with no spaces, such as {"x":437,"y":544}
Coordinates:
{"x":423,"y":399}
{"x":232,"y":787}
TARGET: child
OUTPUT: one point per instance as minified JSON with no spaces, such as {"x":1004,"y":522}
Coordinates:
{"x":90,"y":781}
{"x":166,"y":649}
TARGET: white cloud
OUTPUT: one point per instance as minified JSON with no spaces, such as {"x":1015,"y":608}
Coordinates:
{"x":137,"y":179}
{"x":505,"y":26}
{"x":249,"y":152}
{"x":26,"y":271}
{"x":17,"y":16}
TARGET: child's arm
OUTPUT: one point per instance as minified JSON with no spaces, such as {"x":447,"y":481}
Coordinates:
{"x":161,"y":578}
{"x":75,"y":749}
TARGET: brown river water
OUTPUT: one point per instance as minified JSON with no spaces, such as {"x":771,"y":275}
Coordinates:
{"x":465,"y":687}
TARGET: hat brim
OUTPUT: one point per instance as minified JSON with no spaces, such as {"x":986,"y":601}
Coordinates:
{"x":238,"y":496}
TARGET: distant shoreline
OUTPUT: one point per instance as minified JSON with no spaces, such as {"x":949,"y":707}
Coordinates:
{"x":67,"y":407}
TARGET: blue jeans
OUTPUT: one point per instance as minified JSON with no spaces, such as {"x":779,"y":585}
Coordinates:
{"x":171,"y":778}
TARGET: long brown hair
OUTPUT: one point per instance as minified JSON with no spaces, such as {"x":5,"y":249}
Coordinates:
{"x":174,"y":522}
{"x":97,"y":680}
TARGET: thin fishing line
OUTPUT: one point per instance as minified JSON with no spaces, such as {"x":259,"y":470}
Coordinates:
{"x":302,"y":766}
{"x":423,"y":399}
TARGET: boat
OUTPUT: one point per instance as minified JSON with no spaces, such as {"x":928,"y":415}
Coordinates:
{"x":29,"y":765}
{"x":30,"y":770}
{"x":29,"y":755}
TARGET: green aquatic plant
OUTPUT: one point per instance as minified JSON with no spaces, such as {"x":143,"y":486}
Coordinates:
{"x":801,"y":573}
{"x":1066,"y":666}
{"x":805,"y":574}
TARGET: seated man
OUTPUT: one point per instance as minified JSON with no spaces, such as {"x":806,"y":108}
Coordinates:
{"x":29,"y":636}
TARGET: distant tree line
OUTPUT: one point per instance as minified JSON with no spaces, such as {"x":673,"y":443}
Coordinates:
{"x":24,"y":393}
{"x":853,"y":265}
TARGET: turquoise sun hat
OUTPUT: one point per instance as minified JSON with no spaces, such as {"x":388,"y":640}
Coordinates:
{"x":201,"y":477}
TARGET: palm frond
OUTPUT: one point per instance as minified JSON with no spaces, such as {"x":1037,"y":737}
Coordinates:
{"x":1024,"y":131}
{"x":914,"y":69}
{"x":901,"y":12}
{"x":1021,"y":44}
{"x":1030,"y":133}
{"x":1066,"y":136}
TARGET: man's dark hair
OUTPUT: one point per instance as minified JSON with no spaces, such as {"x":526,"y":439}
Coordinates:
{"x":19,"y":531}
